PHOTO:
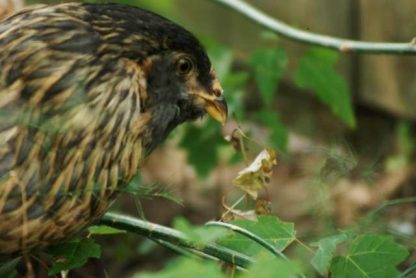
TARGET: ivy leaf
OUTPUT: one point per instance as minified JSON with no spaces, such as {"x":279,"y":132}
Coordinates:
{"x":72,"y":254}
{"x":370,"y":256}
{"x":326,"y":248}
{"x":316,"y":72}
{"x":276,"y":232}
{"x":279,"y":134}
{"x":202,"y":144}
{"x":186,"y":267}
{"x":104,"y":230}
{"x":268,"y":65}
{"x":267,"y":265}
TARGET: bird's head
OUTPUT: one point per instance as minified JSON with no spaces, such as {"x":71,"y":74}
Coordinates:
{"x":186,"y":82}
{"x":180,"y":81}
{"x":182,"y":86}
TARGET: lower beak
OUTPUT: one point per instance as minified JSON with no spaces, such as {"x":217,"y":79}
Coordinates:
{"x":217,"y":109}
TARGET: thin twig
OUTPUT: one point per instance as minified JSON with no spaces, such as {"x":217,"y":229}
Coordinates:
{"x":339,"y":44}
{"x":231,"y":209}
{"x":409,"y":271}
{"x":391,"y":203}
{"x":158,"y":232}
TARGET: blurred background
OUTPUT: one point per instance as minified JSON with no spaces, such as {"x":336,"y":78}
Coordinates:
{"x":343,"y":126}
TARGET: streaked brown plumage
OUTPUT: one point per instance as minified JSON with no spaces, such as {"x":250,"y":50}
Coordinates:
{"x":86,"y":93}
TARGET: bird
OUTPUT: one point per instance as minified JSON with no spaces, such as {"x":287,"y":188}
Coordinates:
{"x":87,"y":92}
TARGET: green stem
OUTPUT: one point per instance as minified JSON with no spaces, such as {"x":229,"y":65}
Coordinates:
{"x":390,"y":203}
{"x":250,"y":235}
{"x":411,"y":270}
{"x":158,"y":232}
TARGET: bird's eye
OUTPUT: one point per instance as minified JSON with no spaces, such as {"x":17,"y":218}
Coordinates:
{"x":184,"y":65}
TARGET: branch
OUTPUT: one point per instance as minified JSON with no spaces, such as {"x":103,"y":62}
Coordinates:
{"x":342,"y":45}
{"x":165,"y":235}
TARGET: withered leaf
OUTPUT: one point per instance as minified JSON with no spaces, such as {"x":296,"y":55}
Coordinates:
{"x":255,"y":177}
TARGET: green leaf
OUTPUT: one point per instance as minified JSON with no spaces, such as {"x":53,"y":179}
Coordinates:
{"x":370,"y":256}
{"x":316,"y":72}
{"x":267,"y":265}
{"x":268,"y":66}
{"x":104,"y":230}
{"x":72,"y":254}
{"x":276,"y":232}
{"x":279,"y":134}
{"x":202,"y":144}
{"x":186,"y":267}
{"x":201,"y":234}
{"x":326,"y":248}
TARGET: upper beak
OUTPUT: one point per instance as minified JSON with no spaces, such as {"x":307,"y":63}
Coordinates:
{"x":217,"y":108}
{"x":214,"y":103}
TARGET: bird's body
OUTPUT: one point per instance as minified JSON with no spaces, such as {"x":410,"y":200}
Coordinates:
{"x":86,"y":93}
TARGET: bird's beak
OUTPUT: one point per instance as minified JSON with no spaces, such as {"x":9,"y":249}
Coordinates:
{"x":213,"y":102}
{"x":217,"y":108}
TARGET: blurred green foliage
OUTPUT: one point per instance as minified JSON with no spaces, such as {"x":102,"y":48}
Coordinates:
{"x":316,"y":72}
{"x":267,"y":265}
{"x":203,"y":147}
{"x":268,"y":67}
{"x":278,"y":131}
{"x":184,"y":267}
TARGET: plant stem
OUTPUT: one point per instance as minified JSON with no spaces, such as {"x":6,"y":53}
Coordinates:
{"x":391,"y":203}
{"x":158,"y":232}
{"x":253,"y":237}
{"x":409,"y":271}
{"x":250,"y":235}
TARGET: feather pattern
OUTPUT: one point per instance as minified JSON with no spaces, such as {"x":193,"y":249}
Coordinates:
{"x":70,"y":127}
